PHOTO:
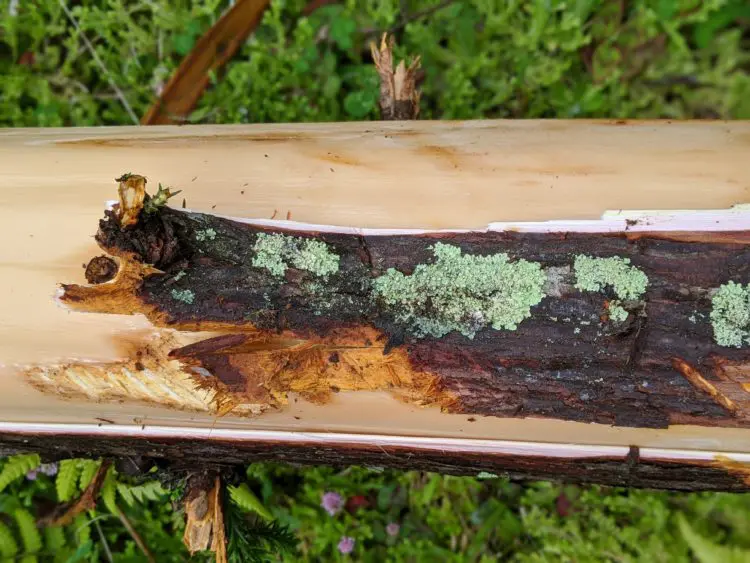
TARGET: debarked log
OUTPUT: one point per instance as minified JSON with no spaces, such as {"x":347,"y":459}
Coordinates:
{"x":609,"y":350}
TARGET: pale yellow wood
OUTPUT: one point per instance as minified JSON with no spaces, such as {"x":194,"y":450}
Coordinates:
{"x":54,"y":184}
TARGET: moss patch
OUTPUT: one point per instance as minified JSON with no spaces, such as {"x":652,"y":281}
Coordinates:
{"x":730,"y":314}
{"x":463,"y":293}
{"x":276,"y":253}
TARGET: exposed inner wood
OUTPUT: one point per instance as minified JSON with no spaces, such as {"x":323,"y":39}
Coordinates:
{"x":568,"y":361}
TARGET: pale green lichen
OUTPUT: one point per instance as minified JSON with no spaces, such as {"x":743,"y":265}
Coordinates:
{"x":204,"y":235}
{"x":730,"y":314}
{"x":179,"y":275}
{"x":462,"y":293}
{"x":616,"y":312}
{"x":277,"y":252}
{"x":184,"y":295}
{"x":486,"y":475}
{"x":594,"y":274}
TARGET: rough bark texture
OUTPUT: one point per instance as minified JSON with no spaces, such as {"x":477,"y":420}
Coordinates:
{"x":187,"y":454}
{"x":567,"y":361}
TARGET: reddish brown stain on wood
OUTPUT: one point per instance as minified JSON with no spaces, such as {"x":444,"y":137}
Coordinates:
{"x":119,"y":142}
{"x":446,"y":155}
{"x":338,"y":158}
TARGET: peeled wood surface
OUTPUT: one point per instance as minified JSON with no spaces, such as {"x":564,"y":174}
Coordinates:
{"x":53,"y":185}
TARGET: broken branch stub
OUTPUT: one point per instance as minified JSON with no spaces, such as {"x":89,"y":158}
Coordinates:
{"x":590,"y":327}
{"x":399,"y":95}
{"x":204,"y":516}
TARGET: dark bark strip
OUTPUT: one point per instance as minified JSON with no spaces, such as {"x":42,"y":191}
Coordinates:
{"x":567,"y":361}
{"x":185,"y":454}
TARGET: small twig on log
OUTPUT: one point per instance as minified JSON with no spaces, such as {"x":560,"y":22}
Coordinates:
{"x":135,"y":535}
{"x":399,"y":97}
{"x":65,"y":513}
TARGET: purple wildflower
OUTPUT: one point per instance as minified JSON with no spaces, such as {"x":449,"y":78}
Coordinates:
{"x":346,"y":545}
{"x":31,"y":475}
{"x":393,"y":529}
{"x":332,"y":503}
{"x":49,"y":469}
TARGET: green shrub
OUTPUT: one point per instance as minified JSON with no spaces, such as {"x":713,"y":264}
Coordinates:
{"x":534,"y":58}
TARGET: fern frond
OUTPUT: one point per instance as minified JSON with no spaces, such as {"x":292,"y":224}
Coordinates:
{"x":706,"y":551}
{"x":124,"y":492}
{"x":253,"y":540}
{"x":277,"y":536}
{"x":82,"y":529}
{"x":256,"y":471}
{"x":32,"y":540}
{"x":8,"y":545}
{"x":16,"y":467}
{"x":109,"y":491}
{"x":54,"y":539}
{"x":67,"y":479}
{"x":83,"y":553}
{"x":243,"y":497}
{"x":150,"y":490}
{"x":88,"y":470}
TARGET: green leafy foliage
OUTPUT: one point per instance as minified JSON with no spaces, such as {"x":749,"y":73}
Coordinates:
{"x":243,"y":497}
{"x":706,"y":551}
{"x":67,"y":482}
{"x":54,"y":539}
{"x":148,"y":491}
{"x":8,"y":544}
{"x":89,"y":467}
{"x":681,"y":58}
{"x":253,"y":541}
{"x":155,"y":520}
{"x":32,"y":540}
{"x":108,"y":494}
{"x":15,"y":467}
